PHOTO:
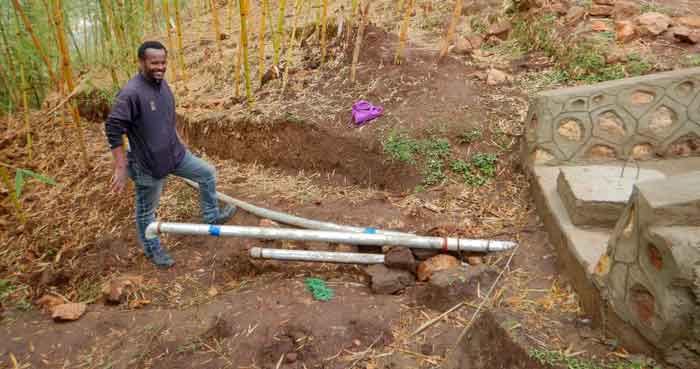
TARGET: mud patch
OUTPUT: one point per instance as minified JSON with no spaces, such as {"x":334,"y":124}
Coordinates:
{"x":295,"y":146}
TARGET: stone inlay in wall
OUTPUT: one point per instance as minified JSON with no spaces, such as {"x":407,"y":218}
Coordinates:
{"x":601,"y":152}
{"x":641,"y":97}
{"x":611,"y":124}
{"x":662,"y":120}
{"x":684,"y":89}
{"x":571,"y":129}
{"x":642,"y":151}
{"x":685,"y":145}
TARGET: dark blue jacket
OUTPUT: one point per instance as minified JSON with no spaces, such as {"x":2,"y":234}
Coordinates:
{"x":145,"y":111}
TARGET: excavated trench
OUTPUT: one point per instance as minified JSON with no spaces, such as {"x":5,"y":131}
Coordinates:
{"x":293,"y":147}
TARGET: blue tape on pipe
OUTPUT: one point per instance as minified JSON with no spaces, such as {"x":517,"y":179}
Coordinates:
{"x":214,"y":230}
{"x":369,"y":230}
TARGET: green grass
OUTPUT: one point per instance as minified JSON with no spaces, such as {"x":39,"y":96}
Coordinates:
{"x":559,"y":359}
{"x":400,"y":147}
{"x":689,"y":60}
{"x":485,"y":163}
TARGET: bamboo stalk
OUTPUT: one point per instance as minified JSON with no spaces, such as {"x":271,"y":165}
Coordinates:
{"x":450,"y":34}
{"x":35,"y":39}
{"x":364,"y":16}
{"x":229,"y":7}
{"x":261,"y":40}
{"x":25,"y":111}
{"x":244,"y":49}
{"x":279,"y":33}
{"x":324,"y":25}
{"x":217,"y":29}
{"x":68,"y":78}
{"x":108,"y":42}
{"x":290,"y":44}
{"x":8,"y":85}
{"x":13,"y":195}
{"x":178,"y":27}
{"x":168,"y":31}
{"x":237,"y":69}
{"x":404,"y":32}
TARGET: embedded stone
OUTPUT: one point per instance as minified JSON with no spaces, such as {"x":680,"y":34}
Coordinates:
{"x":601,"y":10}
{"x":684,"y":146}
{"x":654,"y":23}
{"x":625,"y":31}
{"x":571,"y":130}
{"x":662,"y":119}
{"x":643,"y":151}
{"x":611,"y":124}
{"x":601,"y":152}
{"x":640,"y":97}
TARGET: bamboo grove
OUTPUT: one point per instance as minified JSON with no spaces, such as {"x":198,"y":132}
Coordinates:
{"x":49,"y":46}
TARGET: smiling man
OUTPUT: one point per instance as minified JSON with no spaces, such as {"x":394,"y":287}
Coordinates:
{"x":144,"y":110}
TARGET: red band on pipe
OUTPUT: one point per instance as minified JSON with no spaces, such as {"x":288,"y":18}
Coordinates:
{"x":444,"y":244}
{"x":158,"y":228}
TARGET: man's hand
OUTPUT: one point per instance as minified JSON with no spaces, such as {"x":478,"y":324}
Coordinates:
{"x":119,"y":178}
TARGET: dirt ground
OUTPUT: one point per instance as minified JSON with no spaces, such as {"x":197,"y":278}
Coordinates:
{"x":295,"y":152}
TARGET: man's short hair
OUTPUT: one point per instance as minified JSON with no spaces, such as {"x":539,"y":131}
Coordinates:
{"x":150,"y":45}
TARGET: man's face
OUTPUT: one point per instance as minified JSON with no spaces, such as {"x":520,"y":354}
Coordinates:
{"x":154,"y":64}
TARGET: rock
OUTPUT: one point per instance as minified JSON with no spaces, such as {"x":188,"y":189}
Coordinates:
{"x":496,"y":77}
{"x":615,"y":55}
{"x":466,"y":44}
{"x":436,"y":263}
{"x":424,"y":254}
{"x":387,"y":281}
{"x":500,"y":30}
{"x":575,"y":14}
{"x":601,"y":10}
{"x":49,"y":301}
{"x":448,"y":287}
{"x":685,"y":34}
{"x":268,"y":223}
{"x":475,"y":260}
{"x":654,"y":23}
{"x":604,"y":2}
{"x":67,"y":312}
{"x":559,"y":8}
{"x":400,"y":258}
{"x":116,"y":290}
{"x":625,"y":9}
{"x":599,"y":26}
{"x":692,"y":21}
{"x":625,"y":31}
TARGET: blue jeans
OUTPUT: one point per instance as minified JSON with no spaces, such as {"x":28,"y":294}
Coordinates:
{"x":148,"y":190}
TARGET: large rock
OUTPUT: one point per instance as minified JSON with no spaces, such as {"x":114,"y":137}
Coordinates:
{"x":604,"y":2}
{"x":685,"y":34}
{"x":400,"y":258}
{"x":387,"y":281}
{"x":495,"y":77}
{"x":625,"y":31}
{"x":654,"y":23}
{"x":692,"y":21}
{"x":600,"y":10}
{"x":439,"y":262}
{"x":625,"y":9}
{"x":500,"y":30}
{"x":116,"y":290}
{"x":575,"y":14}
{"x":68,"y":312}
{"x":449,"y":287}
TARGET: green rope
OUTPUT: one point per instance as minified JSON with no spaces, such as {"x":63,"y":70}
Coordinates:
{"x":318,"y":288}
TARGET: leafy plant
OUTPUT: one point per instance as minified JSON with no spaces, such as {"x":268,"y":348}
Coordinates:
{"x":20,"y":176}
{"x":486,"y":163}
{"x":464,"y":169}
{"x":401,"y":147}
{"x":470,"y":136}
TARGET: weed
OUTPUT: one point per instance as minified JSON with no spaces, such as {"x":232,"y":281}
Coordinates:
{"x":637,"y":65}
{"x":465,"y":170}
{"x":6,"y":288}
{"x":486,"y":163}
{"x":690,"y":60}
{"x":23,"y":305}
{"x":478,"y":25}
{"x":470,"y":136}
{"x":400,"y":147}
{"x":559,"y":359}
{"x":651,"y":7}
{"x":435,"y":150}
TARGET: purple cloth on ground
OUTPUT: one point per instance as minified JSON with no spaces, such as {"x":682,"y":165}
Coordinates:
{"x":363,"y":112}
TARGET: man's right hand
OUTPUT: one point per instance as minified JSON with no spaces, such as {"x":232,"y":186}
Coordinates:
{"x":119,"y":178}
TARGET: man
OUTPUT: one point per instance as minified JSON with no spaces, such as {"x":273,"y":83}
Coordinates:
{"x":145,"y":110}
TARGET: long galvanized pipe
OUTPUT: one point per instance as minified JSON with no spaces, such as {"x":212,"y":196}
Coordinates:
{"x":293,"y":219}
{"x":322,"y":256}
{"x":452,"y":244}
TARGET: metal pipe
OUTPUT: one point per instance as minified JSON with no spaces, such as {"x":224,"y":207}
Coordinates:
{"x":293,"y":219}
{"x":370,"y":239}
{"x":322,"y":256}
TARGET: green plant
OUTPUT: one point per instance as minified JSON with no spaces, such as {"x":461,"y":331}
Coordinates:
{"x":464,"y":169}
{"x":470,"y":136}
{"x":6,"y":288}
{"x":20,"y":176}
{"x":651,"y":7}
{"x":486,"y":163}
{"x":690,"y":60}
{"x":637,"y":65}
{"x":398,"y":146}
{"x":434,"y":150}
{"x":478,"y":25}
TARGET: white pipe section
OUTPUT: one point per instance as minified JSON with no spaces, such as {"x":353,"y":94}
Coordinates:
{"x":322,"y":256}
{"x":370,"y":239}
{"x":293,"y":219}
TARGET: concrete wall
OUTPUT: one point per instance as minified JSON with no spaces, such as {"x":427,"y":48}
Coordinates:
{"x":652,"y":267}
{"x":655,"y":116}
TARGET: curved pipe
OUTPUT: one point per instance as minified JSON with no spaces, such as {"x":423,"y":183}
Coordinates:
{"x":293,"y":219}
{"x":369,"y":239}
{"x":322,"y":256}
